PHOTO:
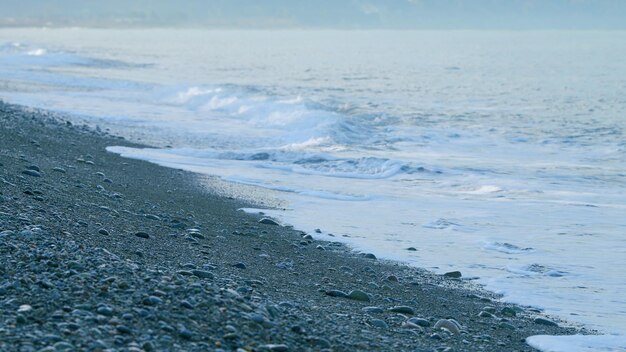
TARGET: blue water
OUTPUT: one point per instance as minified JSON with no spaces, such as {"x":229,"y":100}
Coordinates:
{"x":500,"y":154}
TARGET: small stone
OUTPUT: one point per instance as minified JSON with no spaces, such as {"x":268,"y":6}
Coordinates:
{"x":369,"y":256}
{"x":448,"y":324}
{"x":240,"y":265}
{"x":402,"y":310}
{"x":148,"y":346}
{"x":59,"y":169}
{"x":419,"y":321}
{"x":508,"y":312}
{"x":453,"y":274}
{"x":152,"y":217}
{"x":307,"y":237}
{"x":484,"y":314}
{"x":185,"y":333}
{"x":105,"y":310}
{"x":379,"y":323}
{"x":490,"y":309}
{"x":186,"y":304}
{"x":103,"y":232}
{"x":24,"y":308}
{"x":142,"y":234}
{"x":31,"y":173}
{"x":411,"y":326}
{"x":63,"y":346}
{"x":412,"y":249}
{"x":544,"y":321}
{"x":318,"y":231}
{"x":197,"y":235}
{"x":373,"y":310}
{"x":123,"y":329}
{"x":320,"y":247}
{"x":336,"y":293}
{"x":34,"y":168}
{"x":203,"y":274}
{"x":152,"y":301}
{"x":268,"y":221}
{"x":276,"y":347}
{"x":358,"y":295}
{"x":392,"y":278}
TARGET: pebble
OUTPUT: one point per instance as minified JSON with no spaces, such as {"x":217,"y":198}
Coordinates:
{"x":63,"y":346}
{"x":185,"y":333}
{"x":152,"y":301}
{"x":320,"y":247}
{"x":508,"y":312}
{"x":24,"y":308}
{"x":392,"y":278}
{"x":413,"y":249}
{"x":379,"y":323}
{"x":105,"y":310}
{"x":336,"y":293}
{"x":103,"y":232}
{"x":449,"y":324}
{"x":123,"y":329}
{"x":152,"y":217}
{"x":203,"y":274}
{"x":31,"y":173}
{"x":307,"y":237}
{"x":142,"y":234}
{"x":373,"y":310}
{"x":267,"y":221}
{"x":240,"y":265}
{"x":402,"y":309}
{"x":484,"y":314}
{"x":419,"y":321}
{"x":453,"y":274}
{"x":369,"y":256}
{"x":358,"y":295}
{"x":59,"y":169}
{"x":411,"y":326}
{"x":544,"y":321}
{"x":276,"y":347}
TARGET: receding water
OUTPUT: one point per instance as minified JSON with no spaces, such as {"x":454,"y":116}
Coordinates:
{"x":500,"y":154}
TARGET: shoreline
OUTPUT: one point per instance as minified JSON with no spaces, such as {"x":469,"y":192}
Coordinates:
{"x":103,"y":252}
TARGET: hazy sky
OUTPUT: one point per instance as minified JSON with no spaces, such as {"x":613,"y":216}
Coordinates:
{"x":412,"y":14}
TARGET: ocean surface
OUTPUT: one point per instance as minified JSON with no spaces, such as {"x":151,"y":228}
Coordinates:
{"x":499,"y":154}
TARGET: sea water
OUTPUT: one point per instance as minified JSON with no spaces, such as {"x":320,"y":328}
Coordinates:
{"x":499,"y":154}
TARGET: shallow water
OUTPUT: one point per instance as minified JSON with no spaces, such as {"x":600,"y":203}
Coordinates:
{"x":500,"y":154}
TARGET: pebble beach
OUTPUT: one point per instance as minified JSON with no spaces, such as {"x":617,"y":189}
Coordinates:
{"x":102,"y":253}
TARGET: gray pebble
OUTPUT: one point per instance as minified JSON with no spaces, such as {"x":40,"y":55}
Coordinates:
{"x":123,"y":329}
{"x":240,"y":265}
{"x":152,"y":301}
{"x":103,"y":232}
{"x":203,"y":274}
{"x":267,"y":221}
{"x":31,"y":173}
{"x":358,"y":295}
{"x":379,"y":323}
{"x":373,"y":310}
{"x":453,"y":274}
{"x":276,"y":347}
{"x":402,"y":309}
{"x":419,"y":321}
{"x":336,"y":293}
{"x":142,"y":234}
{"x":544,"y":321}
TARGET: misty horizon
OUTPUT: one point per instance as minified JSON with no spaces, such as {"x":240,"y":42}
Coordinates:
{"x":324,"y":14}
